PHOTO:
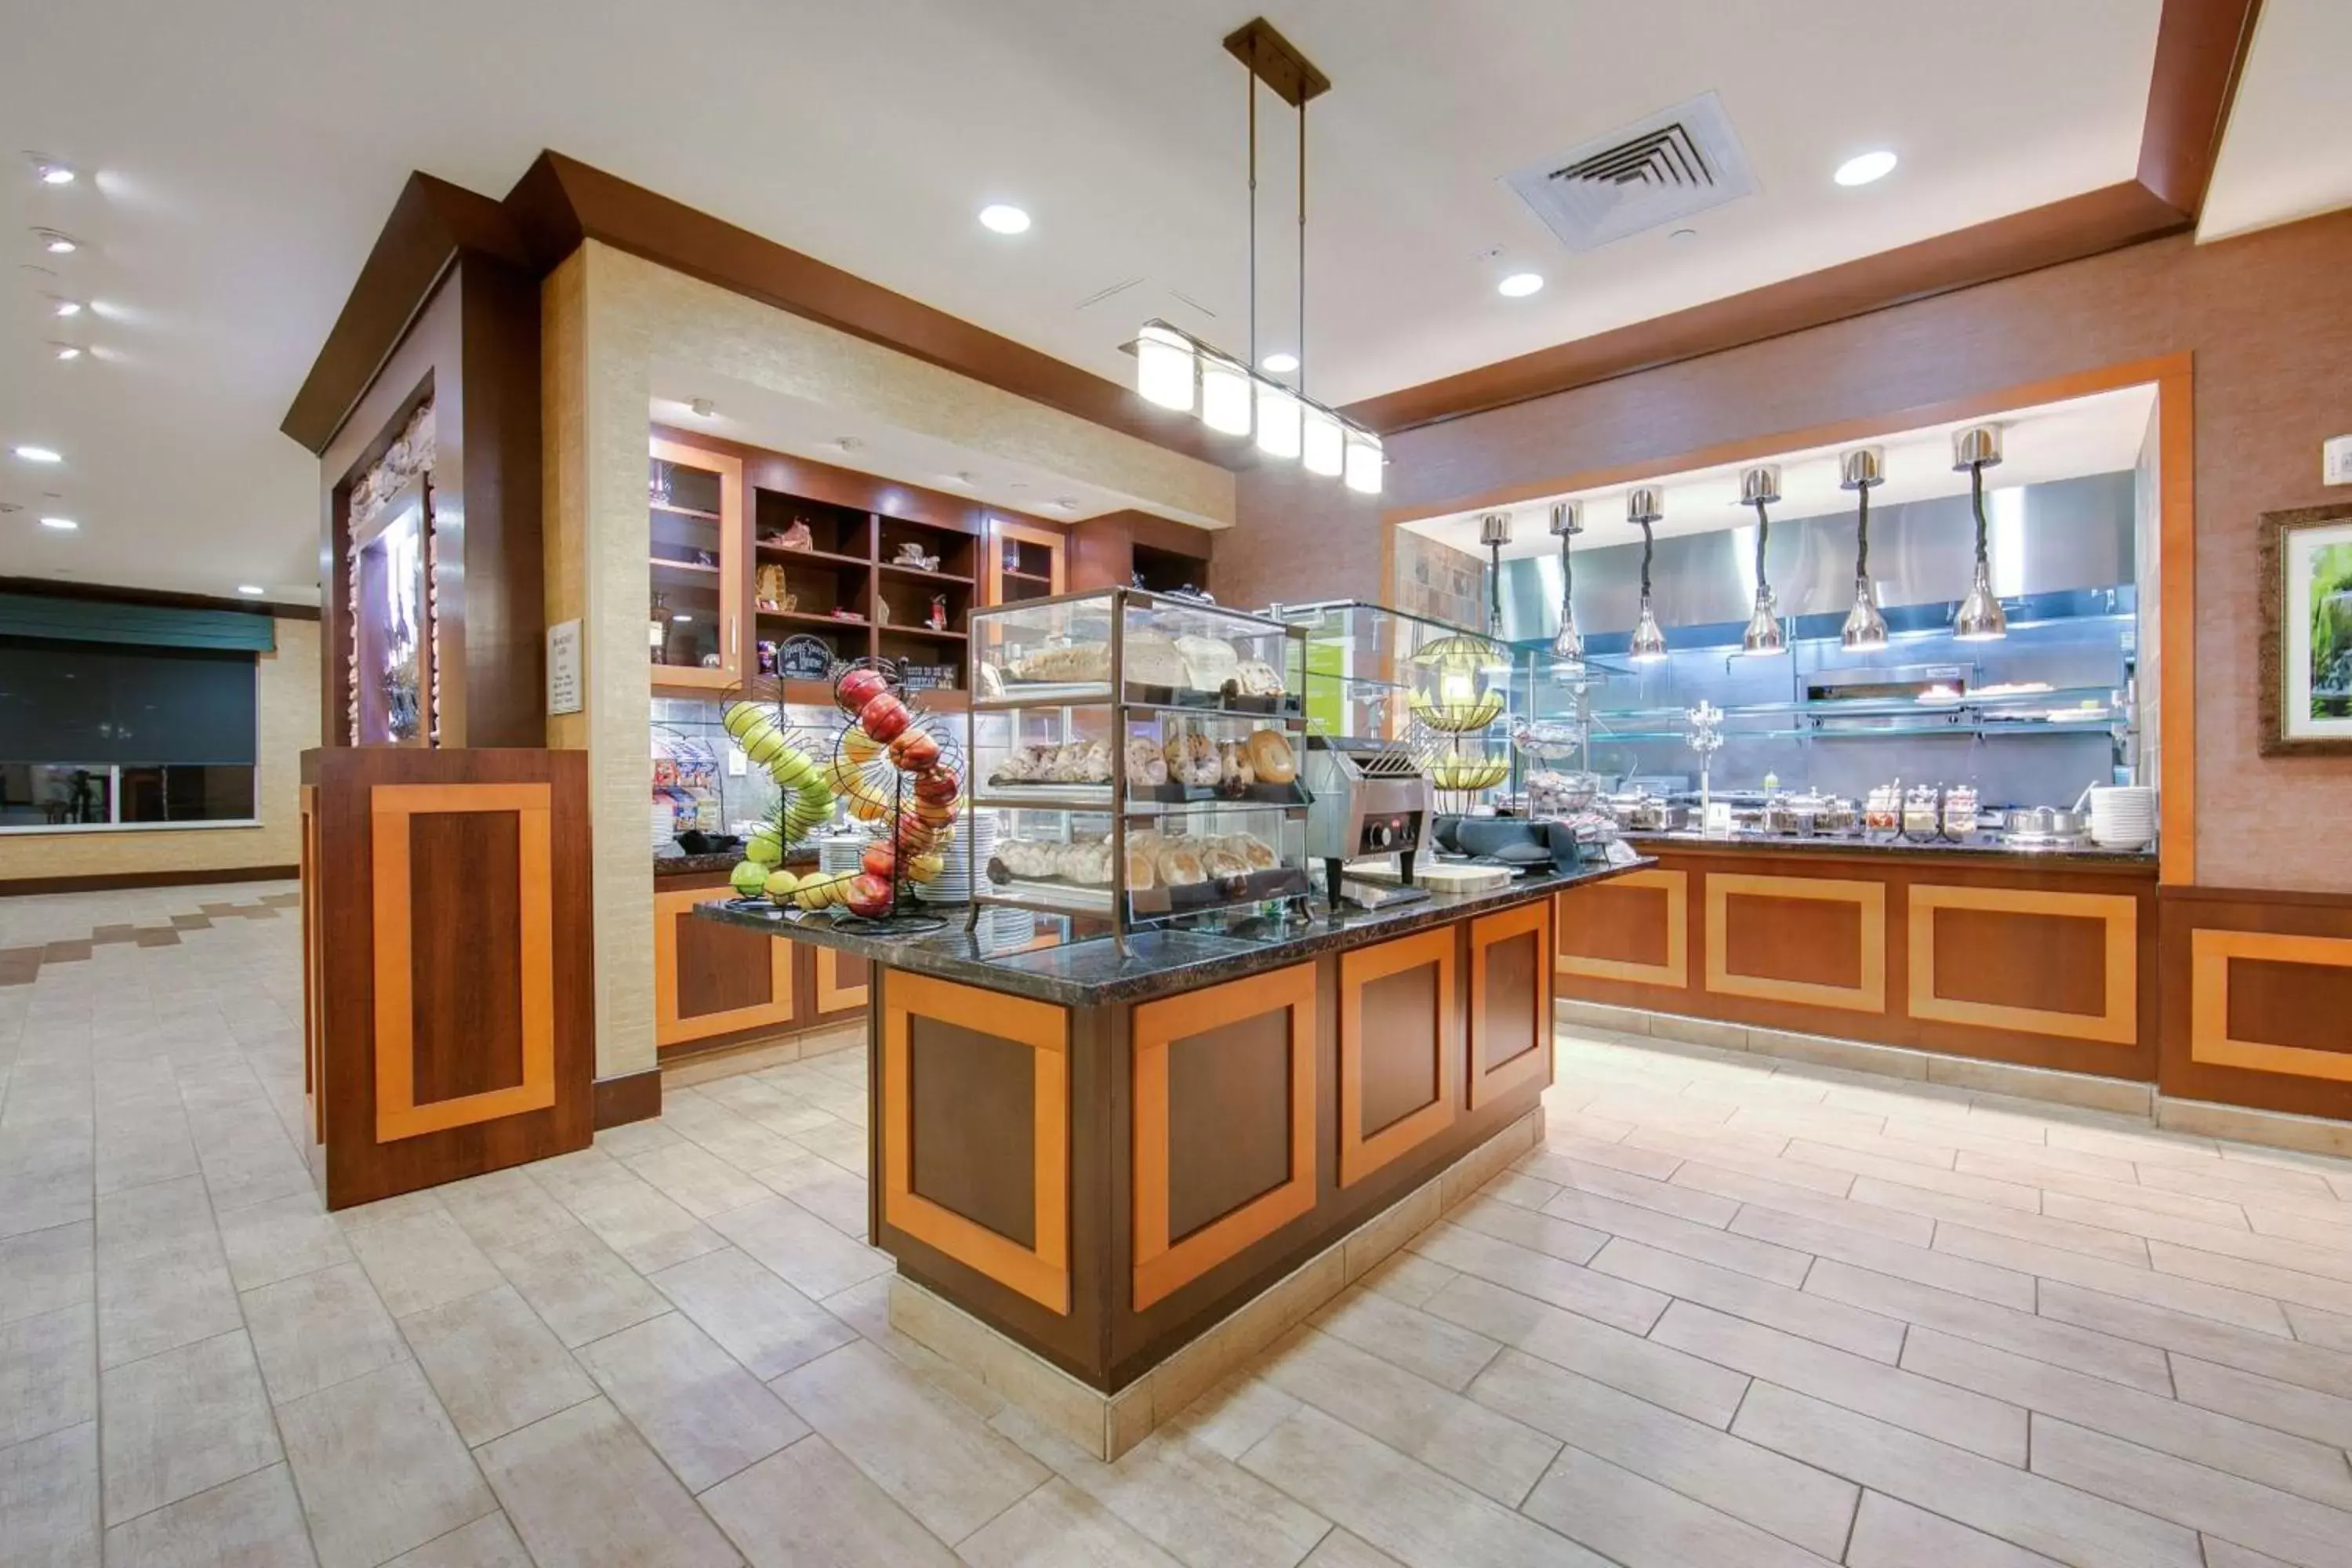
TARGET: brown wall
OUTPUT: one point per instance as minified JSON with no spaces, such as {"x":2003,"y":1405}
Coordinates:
{"x":2265,"y":316}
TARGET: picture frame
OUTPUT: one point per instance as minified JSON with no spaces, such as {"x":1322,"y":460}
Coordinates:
{"x":2306,"y":632}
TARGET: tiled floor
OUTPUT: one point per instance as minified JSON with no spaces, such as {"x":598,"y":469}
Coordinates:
{"x":1728,"y":1316}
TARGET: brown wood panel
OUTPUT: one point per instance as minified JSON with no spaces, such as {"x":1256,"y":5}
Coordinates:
{"x":1399,"y":1049}
{"x":2276,"y":1002}
{"x":1401,"y":1045}
{"x":844,"y":982}
{"x":1812,"y":942}
{"x":2052,"y":963}
{"x":698,"y":965}
{"x":1229,"y":1121}
{"x":721,"y":968}
{"x":1510,"y":1001}
{"x":2219,"y":949}
{"x":972,"y":1131}
{"x":467,"y":995}
{"x":1635,"y":927}
{"x":626,"y":1098}
{"x":2035,"y":960}
{"x":2201,"y":48}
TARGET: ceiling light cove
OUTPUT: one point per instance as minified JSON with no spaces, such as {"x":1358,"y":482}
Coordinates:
{"x":1279,"y":363}
{"x":1520,"y":285}
{"x":65,"y":351}
{"x":61,"y":524}
{"x":39,"y":455}
{"x":68,"y":306}
{"x":1864,"y":168}
{"x":1003,"y":218}
{"x":251,"y":590}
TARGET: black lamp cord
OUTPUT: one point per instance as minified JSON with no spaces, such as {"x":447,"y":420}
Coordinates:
{"x":1566,"y":576}
{"x":1862,"y":541}
{"x":1976,"y":497}
{"x":1495,"y":590}
{"x":1763,"y":532}
{"x":1649,"y":545}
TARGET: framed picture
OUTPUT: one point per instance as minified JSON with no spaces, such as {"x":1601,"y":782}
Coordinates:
{"x":2307,"y":653}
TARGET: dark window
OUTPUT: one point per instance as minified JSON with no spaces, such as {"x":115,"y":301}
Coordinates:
{"x":99,"y":732}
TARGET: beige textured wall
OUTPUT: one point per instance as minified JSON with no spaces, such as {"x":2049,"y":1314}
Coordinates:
{"x":606,"y":318}
{"x":287,"y":717}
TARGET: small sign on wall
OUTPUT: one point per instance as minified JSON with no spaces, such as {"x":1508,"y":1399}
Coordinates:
{"x":563,"y":690}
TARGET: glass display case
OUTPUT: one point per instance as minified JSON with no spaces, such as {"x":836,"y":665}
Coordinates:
{"x":1142,"y":754}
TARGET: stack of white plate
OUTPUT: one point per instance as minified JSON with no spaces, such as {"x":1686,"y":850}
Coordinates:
{"x":975,"y":834}
{"x":2123,"y":817}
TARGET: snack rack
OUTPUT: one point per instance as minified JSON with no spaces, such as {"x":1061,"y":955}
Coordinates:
{"x":1136,"y":672}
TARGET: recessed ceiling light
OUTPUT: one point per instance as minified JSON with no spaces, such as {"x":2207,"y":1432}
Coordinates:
{"x":961,"y":478}
{"x":680,"y":615}
{"x":68,"y":306}
{"x":251,"y":590}
{"x":1863,"y":169}
{"x":1520,"y":285}
{"x":57,"y":244}
{"x":1063,"y":503}
{"x":62,"y":524}
{"x":703,"y":407}
{"x":1279,"y":363}
{"x":1004,"y":219}
{"x":67,"y":351}
{"x":39,"y":455}
{"x":53,"y":172}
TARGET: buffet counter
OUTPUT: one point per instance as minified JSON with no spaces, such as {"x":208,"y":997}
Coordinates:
{"x":2042,"y":958}
{"x":1084,"y":1162}
{"x":717,"y":988}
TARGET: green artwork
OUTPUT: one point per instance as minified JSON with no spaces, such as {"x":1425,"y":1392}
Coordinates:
{"x":2331,"y":632}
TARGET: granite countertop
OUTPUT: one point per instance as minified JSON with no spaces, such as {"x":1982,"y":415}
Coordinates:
{"x":695,"y":865}
{"x":1091,"y":973}
{"x":1983,"y":847}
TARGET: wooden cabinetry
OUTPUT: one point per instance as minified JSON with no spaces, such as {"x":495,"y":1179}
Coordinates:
{"x":698,"y":541}
{"x":1025,"y":561}
{"x":717,"y":984}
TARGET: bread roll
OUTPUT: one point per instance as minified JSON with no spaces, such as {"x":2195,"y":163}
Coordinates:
{"x":1270,"y":757}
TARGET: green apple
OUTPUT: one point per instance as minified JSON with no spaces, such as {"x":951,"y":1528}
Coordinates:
{"x":781,"y":886}
{"x":765,"y":746}
{"x":750,"y":877}
{"x":766,"y":848}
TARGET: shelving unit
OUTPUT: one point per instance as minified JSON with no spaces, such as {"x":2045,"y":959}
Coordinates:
{"x":2030,"y":714}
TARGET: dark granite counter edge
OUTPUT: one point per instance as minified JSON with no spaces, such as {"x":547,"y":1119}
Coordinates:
{"x":951,"y":954}
{"x":695,"y":865}
{"x":2092,"y":857}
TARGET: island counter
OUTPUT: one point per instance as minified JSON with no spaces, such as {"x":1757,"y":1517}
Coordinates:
{"x":1084,"y":1163}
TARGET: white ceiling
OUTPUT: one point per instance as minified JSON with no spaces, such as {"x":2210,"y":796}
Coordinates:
{"x":2101,"y":434}
{"x":2288,"y":153}
{"x":245,"y":152}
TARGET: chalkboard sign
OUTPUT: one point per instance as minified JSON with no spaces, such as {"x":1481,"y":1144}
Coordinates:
{"x":805,"y":657}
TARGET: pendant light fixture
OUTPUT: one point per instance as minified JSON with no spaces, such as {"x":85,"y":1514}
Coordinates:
{"x":1860,"y":470}
{"x":1763,"y":638}
{"x":1233,"y":395}
{"x":1494,"y":533}
{"x":1644,"y":506}
{"x":1980,"y":619}
{"x":1568,"y":644}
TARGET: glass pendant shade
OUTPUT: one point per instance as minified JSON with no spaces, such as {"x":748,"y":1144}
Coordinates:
{"x":1278,"y":420}
{"x":1568,"y":644}
{"x":1323,"y":444}
{"x":1980,"y":619}
{"x":1649,"y":644}
{"x":1763,"y":638}
{"x":1163,"y":368}
{"x":1865,"y":629}
{"x":1225,"y":396}
{"x":1364,"y":462}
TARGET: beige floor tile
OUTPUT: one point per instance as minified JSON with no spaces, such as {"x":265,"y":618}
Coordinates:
{"x":1962,"y":1182}
{"x":2322,"y":1417}
{"x":2115,"y":1246}
{"x":837,"y":1199}
{"x":42,"y":1270}
{"x":1922,"y":1266}
{"x":495,"y":1366}
{"x":2291,"y":1529}
{"x":2168,"y":1425}
{"x":1801,"y":1312}
{"x":2118,"y":1359}
{"x":1616,"y":1301}
{"x":489,"y":1542}
{"x":422,"y":1260}
{"x":1646,"y":1188}
{"x":2314,"y":1327}
{"x":143,"y":1219}
{"x":1634,"y":1521}
{"x":162,"y":1296}
{"x":1564,"y":1148}
{"x":1948,"y":1411}
{"x":50,"y":1499}
{"x":317,"y":1330}
{"x":2118,"y":1189}
{"x":254,"y":1521}
{"x":181,"y":1421}
{"x":1670,"y":1233}
{"x":2311,"y":1366}
{"x":1739,"y":1188}
{"x":1341,"y":1550}
{"x":809,"y":1505}
{"x":1747,"y":1152}
{"x":1446,"y":1353}
{"x":1452,"y":1436}
{"x":280,"y":1238}
{"x":942,"y":1463}
{"x":1642,"y":1367}
{"x":702,"y":1412}
{"x":504,"y":1208}
{"x":1891,"y":1534}
{"x":2241,"y":1275}
{"x":812,"y":1256}
{"x":1406,"y":1509}
{"x":1737,"y":1477}
{"x":1233,"y":1415}
{"x":1405,"y":1275}
{"x":380,"y":1469}
{"x":48,"y":1372}
{"x":1527,"y":1228}
{"x":2325,"y":1255}
{"x":2025,"y":1509}
{"x":1058,"y":1526}
{"x":695,"y":1179}
{"x":646,"y":1228}
{"x":756,"y":1317}
{"x":578,"y":1286}
{"x":581,"y":1488}
{"x":2219,"y":1553}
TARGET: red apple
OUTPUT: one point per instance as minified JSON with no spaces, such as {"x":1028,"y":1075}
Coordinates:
{"x":915,"y":751}
{"x":937,"y":783}
{"x":857,"y":688}
{"x":885,"y":718}
{"x":937,"y":813}
{"x":911,"y":834}
{"x":880,"y":860}
{"x":870,"y":896}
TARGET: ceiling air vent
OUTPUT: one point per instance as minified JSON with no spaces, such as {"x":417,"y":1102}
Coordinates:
{"x":1658,"y":169}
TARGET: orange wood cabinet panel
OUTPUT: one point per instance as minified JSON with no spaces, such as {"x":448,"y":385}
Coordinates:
{"x":1361,"y":1151}
{"x":731,"y":581}
{"x":1005,"y":538}
{"x":677,"y":1021}
{"x":1500,"y":983}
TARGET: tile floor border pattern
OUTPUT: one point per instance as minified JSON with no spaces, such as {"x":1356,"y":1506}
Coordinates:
{"x":20,"y":965}
{"x":1731,"y":1311}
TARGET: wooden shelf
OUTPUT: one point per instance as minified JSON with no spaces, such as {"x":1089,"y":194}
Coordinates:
{"x":1027,"y":577}
{"x":825,"y":557}
{"x":684,"y":511}
{"x":929,"y":576}
{"x":802,"y":618}
{"x":920,"y":630}
{"x":695,"y":567}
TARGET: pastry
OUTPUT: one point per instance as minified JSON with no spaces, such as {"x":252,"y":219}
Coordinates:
{"x":1139,"y":874}
{"x":1178,"y":867}
{"x":1088,"y":661}
{"x":1259,"y":854}
{"x":1153,"y":660}
{"x":1270,"y":757}
{"x":1209,"y":662}
{"x":1201,"y":761}
{"x":1255,"y":677}
{"x":1233,"y":767}
{"x":1144,"y":763}
{"x":1221,"y":863}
